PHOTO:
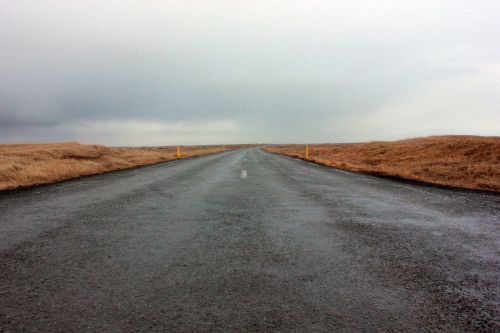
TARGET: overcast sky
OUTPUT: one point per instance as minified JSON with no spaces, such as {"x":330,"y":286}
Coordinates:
{"x":163,"y":72}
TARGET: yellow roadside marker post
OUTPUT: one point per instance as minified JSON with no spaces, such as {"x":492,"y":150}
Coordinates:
{"x":307,"y":151}
{"x":178,"y":151}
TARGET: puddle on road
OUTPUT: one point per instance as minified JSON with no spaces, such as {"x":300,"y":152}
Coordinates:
{"x":243,"y":174}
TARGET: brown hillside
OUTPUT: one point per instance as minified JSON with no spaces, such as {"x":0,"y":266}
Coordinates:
{"x":33,"y":164}
{"x":458,"y":161}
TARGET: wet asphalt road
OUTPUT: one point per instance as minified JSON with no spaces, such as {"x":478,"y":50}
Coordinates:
{"x":248,"y":241}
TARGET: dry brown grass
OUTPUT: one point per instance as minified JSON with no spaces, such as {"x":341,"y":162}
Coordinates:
{"x":458,"y":161}
{"x":32,"y":164}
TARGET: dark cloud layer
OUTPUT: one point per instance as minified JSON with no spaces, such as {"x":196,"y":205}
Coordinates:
{"x":162,"y":72}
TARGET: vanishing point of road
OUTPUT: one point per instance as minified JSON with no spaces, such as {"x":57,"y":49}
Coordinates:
{"x":248,"y":241}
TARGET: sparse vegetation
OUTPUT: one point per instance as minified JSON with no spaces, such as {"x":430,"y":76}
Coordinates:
{"x":458,"y":161}
{"x":32,"y":164}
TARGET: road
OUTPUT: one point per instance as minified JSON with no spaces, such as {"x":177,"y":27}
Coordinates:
{"x":248,"y":241}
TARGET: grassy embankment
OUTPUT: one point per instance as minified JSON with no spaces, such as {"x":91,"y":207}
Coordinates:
{"x":458,"y":161}
{"x":24,"y":165}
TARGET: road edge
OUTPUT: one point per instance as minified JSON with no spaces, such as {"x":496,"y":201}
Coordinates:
{"x":393,"y":178}
{"x":36,"y":186}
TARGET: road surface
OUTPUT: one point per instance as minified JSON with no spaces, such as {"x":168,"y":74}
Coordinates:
{"x":247,"y":241}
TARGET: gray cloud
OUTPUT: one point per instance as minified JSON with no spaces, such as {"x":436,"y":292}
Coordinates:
{"x":163,"y":72}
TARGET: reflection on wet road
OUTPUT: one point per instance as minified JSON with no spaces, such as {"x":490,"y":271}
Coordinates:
{"x":247,"y":241}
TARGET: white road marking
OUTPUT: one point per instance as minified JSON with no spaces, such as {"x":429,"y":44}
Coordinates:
{"x":243,"y":174}
{"x":414,"y":189}
{"x":346,"y":172}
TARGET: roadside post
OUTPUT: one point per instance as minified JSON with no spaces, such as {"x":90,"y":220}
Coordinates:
{"x":178,"y":151}
{"x":307,"y":151}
